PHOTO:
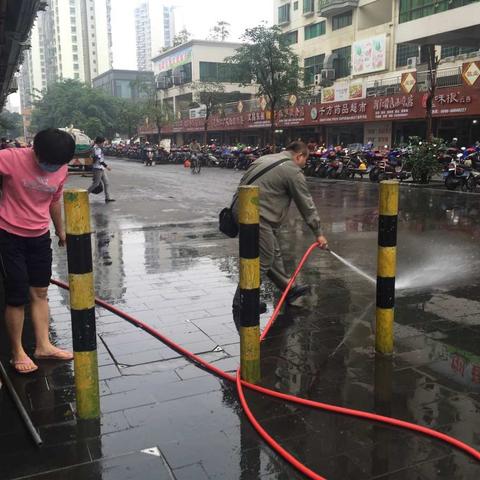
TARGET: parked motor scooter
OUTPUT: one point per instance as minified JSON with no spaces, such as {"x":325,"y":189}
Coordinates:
{"x":456,"y":174}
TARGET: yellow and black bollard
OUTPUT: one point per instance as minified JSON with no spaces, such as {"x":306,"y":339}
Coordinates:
{"x":249,"y":234}
{"x":386,"y":266}
{"x":82,"y":302}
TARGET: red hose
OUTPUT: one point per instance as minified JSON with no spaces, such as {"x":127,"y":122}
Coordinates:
{"x":289,"y":398}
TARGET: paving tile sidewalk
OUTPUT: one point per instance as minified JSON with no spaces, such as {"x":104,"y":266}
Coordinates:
{"x":164,"y":418}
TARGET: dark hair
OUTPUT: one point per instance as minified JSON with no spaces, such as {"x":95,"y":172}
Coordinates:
{"x":54,"y":146}
{"x":297,"y":147}
{"x":99,"y":140}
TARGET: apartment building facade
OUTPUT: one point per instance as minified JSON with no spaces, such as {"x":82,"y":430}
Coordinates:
{"x":154,"y":30}
{"x":179,"y":71}
{"x":368,"y":48}
{"x":71,"y":39}
{"x":366,"y":64}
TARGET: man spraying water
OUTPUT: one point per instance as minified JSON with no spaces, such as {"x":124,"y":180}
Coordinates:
{"x":281,"y":180}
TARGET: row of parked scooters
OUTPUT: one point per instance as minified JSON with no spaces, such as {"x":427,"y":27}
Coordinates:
{"x":347,"y":163}
{"x":460,"y":166}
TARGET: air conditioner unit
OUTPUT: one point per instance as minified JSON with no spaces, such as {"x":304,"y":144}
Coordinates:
{"x":412,"y":62}
{"x":328,"y":74}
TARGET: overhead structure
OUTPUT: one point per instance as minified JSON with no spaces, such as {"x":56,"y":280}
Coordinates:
{"x":16,"y":21}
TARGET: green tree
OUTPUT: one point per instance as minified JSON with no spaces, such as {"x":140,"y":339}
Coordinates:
{"x":183,"y":36}
{"x":212,"y":95}
{"x":11,"y":124}
{"x":130,"y":115}
{"x":152,"y":106}
{"x":73,"y":103}
{"x":221,"y":31}
{"x":266,"y":59}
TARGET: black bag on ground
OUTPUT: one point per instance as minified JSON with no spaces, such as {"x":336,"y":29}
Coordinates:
{"x":226,"y":220}
{"x":98,"y":189}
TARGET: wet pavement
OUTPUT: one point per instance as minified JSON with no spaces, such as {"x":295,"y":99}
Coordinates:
{"x":158,"y":256}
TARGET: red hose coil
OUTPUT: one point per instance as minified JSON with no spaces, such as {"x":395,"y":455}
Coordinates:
{"x":272,"y":393}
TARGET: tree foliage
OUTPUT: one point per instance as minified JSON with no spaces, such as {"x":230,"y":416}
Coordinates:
{"x":73,"y":103}
{"x":212,"y":95}
{"x":266,"y":59}
{"x":152,"y":108}
{"x":11,"y":124}
{"x":91,"y":110}
{"x":221,"y":31}
{"x":183,"y":36}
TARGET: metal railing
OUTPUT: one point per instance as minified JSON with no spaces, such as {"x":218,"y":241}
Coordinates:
{"x":446,"y":77}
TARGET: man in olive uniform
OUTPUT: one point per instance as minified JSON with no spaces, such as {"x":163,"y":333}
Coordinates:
{"x":278,"y":187}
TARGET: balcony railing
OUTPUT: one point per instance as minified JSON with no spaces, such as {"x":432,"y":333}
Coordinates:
{"x":446,"y":77}
{"x":327,"y":8}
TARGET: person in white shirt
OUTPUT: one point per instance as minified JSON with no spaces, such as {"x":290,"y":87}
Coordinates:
{"x":99,"y":174}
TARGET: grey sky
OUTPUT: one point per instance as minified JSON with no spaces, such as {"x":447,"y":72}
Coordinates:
{"x":198,"y":16}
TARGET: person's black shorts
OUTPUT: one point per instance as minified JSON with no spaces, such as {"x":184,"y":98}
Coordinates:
{"x":26,"y":262}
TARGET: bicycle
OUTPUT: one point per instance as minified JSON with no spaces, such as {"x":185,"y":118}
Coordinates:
{"x":195,"y":165}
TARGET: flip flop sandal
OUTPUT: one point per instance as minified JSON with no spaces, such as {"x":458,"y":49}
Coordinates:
{"x":23,"y":362}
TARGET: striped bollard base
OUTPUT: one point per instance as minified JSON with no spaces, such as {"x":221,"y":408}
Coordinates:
{"x":82,"y":302}
{"x":249,"y":235}
{"x":386,"y":266}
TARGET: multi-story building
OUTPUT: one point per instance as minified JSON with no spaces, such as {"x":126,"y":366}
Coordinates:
{"x":366,"y":64}
{"x":154,"y":30}
{"x":123,"y":83}
{"x":365,"y":46}
{"x":71,"y":39}
{"x":180,"y":70}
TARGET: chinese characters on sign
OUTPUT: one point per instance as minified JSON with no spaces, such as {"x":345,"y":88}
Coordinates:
{"x":175,"y":60}
{"x":378,"y":133}
{"x":392,"y":107}
{"x":349,"y":111}
{"x":451,"y":103}
{"x":290,"y":116}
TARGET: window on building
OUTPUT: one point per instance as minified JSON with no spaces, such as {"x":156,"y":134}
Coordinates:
{"x":76,"y":75}
{"x":284,"y":13}
{"x":342,"y":63}
{"x":341,"y":21}
{"x":290,"y":38}
{"x":312,"y":67}
{"x":72,"y":11}
{"x":404,"y":52}
{"x":308,"y":6}
{"x":75,"y":48}
{"x":74,"y":39}
{"x":218,"y":72}
{"x":413,"y":9}
{"x":295,"y":5}
{"x":75,"y":58}
{"x":450,"y":51}
{"x":314,"y":30}
{"x":75,"y":66}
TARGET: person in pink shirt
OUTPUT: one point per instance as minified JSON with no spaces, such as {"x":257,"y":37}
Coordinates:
{"x":33,"y":182}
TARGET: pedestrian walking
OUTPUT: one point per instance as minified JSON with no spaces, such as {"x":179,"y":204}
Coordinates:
{"x":100,"y":176}
{"x":32,"y":190}
{"x":281,"y":182}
